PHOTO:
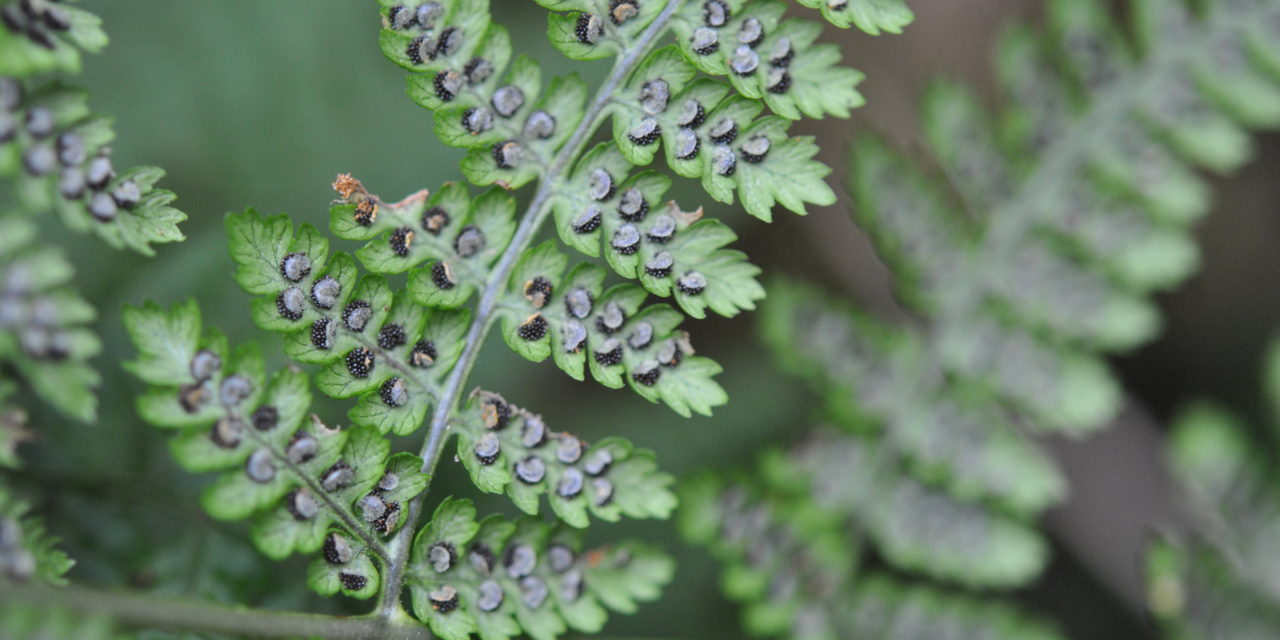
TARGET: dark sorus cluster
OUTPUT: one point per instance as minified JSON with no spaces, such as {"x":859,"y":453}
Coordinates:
{"x":496,"y":572}
{"x":38,"y":319}
{"x":589,"y":27}
{"x":509,"y":449}
{"x":83,"y":173}
{"x":63,"y":155}
{"x":317,"y":488}
{"x":39,"y":21}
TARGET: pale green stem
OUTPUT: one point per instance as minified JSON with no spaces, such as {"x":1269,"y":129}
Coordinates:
{"x":159,"y":612}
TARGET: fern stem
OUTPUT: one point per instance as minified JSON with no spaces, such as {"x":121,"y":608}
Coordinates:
{"x":158,"y":612}
{"x":535,"y":215}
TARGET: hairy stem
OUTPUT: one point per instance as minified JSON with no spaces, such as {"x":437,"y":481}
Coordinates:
{"x":157,"y":612}
{"x":535,"y":215}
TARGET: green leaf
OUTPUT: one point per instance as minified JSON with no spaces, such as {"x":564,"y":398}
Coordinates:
{"x":131,"y":212}
{"x":871,"y":16}
{"x":485,"y":124}
{"x":302,"y":481}
{"x":482,"y":233}
{"x":783,"y":66}
{"x":578,"y":216}
{"x":882,"y":605}
{"x":646,"y":95}
{"x":434,"y":220}
{"x":506,"y":448}
{"x":46,"y":338}
{"x":670,"y":245}
{"x":562,"y":31}
{"x":258,"y":245}
{"x":28,"y":551}
{"x":785,"y":549}
{"x":588,"y":279}
{"x":788,"y":175}
{"x":498,"y":578}
{"x":358,"y":577}
{"x":532,"y":282}
{"x":22,"y":55}
{"x":717,"y":36}
{"x":375,"y":344}
{"x":543,"y":127}
{"x":468,"y":19}
{"x":816,"y":83}
{"x":1211,"y":454}
{"x":593,"y":30}
{"x":473,"y":90}
{"x":1193,"y":592}
{"x":624,"y":344}
{"x":166,"y":340}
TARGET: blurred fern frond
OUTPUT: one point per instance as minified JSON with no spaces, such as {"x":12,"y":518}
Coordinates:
{"x":1218,"y":581}
{"x":1028,"y":243}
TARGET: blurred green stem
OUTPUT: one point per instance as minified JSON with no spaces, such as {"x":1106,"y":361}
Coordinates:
{"x":158,"y":612}
{"x":533,"y":218}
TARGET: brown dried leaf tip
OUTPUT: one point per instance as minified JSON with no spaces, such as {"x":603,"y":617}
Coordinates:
{"x":684,"y":218}
{"x":346,"y":185}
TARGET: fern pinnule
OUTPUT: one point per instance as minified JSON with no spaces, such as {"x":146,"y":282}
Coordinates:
{"x":1212,"y":580}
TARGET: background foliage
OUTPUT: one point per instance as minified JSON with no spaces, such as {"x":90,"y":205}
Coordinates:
{"x":265,"y":102}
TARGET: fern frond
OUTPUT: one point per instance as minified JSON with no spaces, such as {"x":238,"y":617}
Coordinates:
{"x":13,"y":423}
{"x":46,"y":37}
{"x":308,"y":486}
{"x":571,"y":317}
{"x":661,"y":245}
{"x":375,"y":344}
{"x":872,"y":16}
{"x":914,"y":526}
{"x":713,"y":133}
{"x":1218,"y":581}
{"x":790,"y":536}
{"x":55,"y":157}
{"x":1218,"y":587}
{"x":43,"y":321}
{"x":766,"y":58}
{"x":58,"y":152}
{"x":1066,"y":242}
{"x":590,"y":29}
{"x":498,"y":578}
{"x":312,"y":488}
{"x":26,"y":551}
{"x":1194,"y":595}
{"x":875,"y":379}
{"x":404,"y":352}
{"x":506,"y":448}
{"x":1031,"y":248}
